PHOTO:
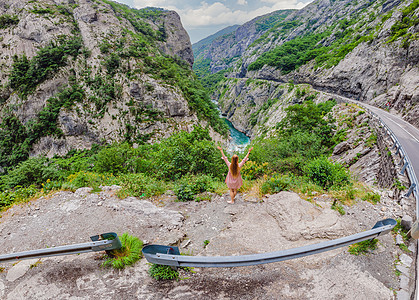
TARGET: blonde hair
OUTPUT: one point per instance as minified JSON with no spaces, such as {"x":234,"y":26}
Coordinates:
{"x":234,"y":167}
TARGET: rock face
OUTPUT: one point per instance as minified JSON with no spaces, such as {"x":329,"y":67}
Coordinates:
{"x":379,"y":69}
{"x":119,"y":80}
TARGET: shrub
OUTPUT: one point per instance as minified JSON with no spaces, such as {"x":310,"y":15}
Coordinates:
{"x":372,"y":197}
{"x":17,"y":195}
{"x":327,"y":174}
{"x":189,"y":186}
{"x":114,"y":159}
{"x":27,"y":74}
{"x":139,"y":185}
{"x":185,"y":153}
{"x":8,"y":20}
{"x":127,"y":255}
{"x":276,"y":184}
{"x":252,"y":170}
{"x":33,"y":171}
{"x":162,"y":272}
{"x":87,"y":179}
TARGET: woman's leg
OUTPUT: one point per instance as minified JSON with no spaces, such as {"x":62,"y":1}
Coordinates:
{"x":232,"y":195}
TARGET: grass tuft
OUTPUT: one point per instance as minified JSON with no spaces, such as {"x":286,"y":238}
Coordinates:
{"x":127,"y":255}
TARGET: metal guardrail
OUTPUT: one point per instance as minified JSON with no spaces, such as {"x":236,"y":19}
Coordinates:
{"x":103,"y":242}
{"x":407,"y":165}
{"x":170,"y":256}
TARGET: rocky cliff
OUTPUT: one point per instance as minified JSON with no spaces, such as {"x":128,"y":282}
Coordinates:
{"x":79,"y":72}
{"x":365,"y":50}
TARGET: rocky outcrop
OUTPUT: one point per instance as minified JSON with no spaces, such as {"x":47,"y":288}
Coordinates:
{"x":119,"y":69}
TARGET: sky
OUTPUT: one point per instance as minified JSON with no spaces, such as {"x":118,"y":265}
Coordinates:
{"x":205,"y":17}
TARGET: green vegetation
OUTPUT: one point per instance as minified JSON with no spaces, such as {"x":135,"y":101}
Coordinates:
{"x":8,"y":20}
{"x":272,"y":21}
{"x":16,"y":139}
{"x":372,"y":197}
{"x":292,"y":54}
{"x":127,"y":255}
{"x":183,"y":161}
{"x":162,"y":272}
{"x":400,"y":29}
{"x":327,"y":47}
{"x":363,"y":247}
{"x":399,"y":229}
{"x":27,"y":74}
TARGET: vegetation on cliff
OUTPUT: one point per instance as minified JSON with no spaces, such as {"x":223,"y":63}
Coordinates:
{"x":90,"y":86}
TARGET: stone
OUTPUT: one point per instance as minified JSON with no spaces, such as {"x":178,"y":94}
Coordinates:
{"x":406,"y":260}
{"x":404,"y":270}
{"x":399,"y":239}
{"x":412,"y":247}
{"x":404,"y":282}
{"x":407,"y":222}
{"x":19,"y":269}
{"x":403,"y":295}
{"x":341,"y":147}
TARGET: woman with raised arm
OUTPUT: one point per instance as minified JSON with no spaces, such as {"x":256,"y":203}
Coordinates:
{"x":234,"y":179}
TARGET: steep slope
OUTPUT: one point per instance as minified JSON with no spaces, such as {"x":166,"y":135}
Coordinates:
{"x":366,"y":50}
{"x":76,"y":73}
{"x":203,"y":44}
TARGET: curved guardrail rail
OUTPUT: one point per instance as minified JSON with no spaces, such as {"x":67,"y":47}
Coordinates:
{"x":103,"y":242}
{"x":407,"y":165}
{"x":168,"y":255}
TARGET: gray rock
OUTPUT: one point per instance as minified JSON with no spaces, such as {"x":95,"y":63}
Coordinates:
{"x":19,"y":269}
{"x":406,"y":260}
{"x":399,"y":239}
{"x":404,"y":270}
{"x":407,"y":222}
{"x":403,"y":295}
{"x":404,"y":282}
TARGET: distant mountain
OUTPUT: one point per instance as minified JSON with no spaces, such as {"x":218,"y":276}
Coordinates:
{"x":199,"y":46}
{"x":365,"y":50}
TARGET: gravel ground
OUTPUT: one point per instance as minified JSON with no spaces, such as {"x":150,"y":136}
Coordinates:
{"x":280,"y":221}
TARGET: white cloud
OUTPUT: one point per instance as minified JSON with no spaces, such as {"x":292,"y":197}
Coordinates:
{"x":152,"y":3}
{"x":217,"y":13}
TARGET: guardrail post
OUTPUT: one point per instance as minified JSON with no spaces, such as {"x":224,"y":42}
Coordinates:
{"x":398,"y":150}
{"x":404,"y":168}
{"x":412,"y":187}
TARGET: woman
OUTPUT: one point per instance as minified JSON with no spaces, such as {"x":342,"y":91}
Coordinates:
{"x":234,"y":179}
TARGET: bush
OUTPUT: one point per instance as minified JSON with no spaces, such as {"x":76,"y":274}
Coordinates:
{"x":188,"y":153}
{"x":17,"y":195}
{"x":8,"y":20}
{"x":189,"y":186}
{"x":33,"y":171}
{"x":162,"y":272}
{"x":252,"y":170}
{"x":114,"y":159}
{"x":372,"y":197}
{"x":87,"y":179}
{"x":327,"y":174}
{"x":139,"y":185}
{"x":277,"y":183}
{"x":127,"y":255}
